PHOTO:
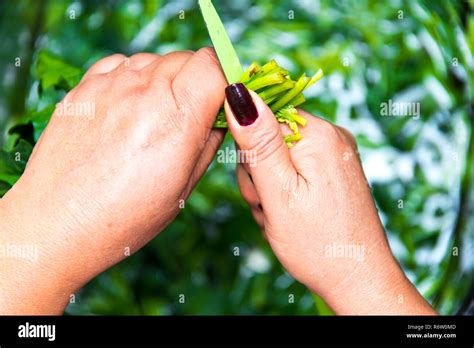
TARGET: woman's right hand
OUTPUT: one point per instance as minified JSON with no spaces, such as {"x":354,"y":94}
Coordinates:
{"x":316,"y":210}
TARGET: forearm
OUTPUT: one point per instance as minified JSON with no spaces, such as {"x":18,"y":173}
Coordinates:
{"x":29,"y":281}
{"x":25,"y":290}
{"x":381,"y":290}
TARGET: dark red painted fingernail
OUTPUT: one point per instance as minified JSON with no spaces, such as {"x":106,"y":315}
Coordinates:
{"x":241,"y":103}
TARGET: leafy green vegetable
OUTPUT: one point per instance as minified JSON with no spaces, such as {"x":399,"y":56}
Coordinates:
{"x":275,"y":86}
{"x":271,"y":82}
{"x":225,"y":50}
{"x":371,"y":57}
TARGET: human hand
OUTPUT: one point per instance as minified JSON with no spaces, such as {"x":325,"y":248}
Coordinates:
{"x":119,"y":157}
{"x":315,"y":207}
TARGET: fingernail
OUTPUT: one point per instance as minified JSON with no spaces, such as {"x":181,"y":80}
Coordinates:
{"x":241,"y":103}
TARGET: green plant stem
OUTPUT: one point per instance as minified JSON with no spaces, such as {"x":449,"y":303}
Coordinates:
{"x":250,"y":72}
{"x":274,"y":90}
{"x":299,"y":86}
{"x":265,"y":80}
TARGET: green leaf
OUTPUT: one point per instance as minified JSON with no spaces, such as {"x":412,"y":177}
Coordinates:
{"x":52,"y":71}
{"x":225,"y":50}
{"x":32,"y":124}
{"x":23,"y":131}
{"x":13,"y":162}
{"x":4,"y":187}
{"x":40,"y":119}
{"x":10,"y":179}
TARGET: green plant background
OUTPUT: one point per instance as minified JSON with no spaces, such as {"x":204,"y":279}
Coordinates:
{"x":421,"y":170}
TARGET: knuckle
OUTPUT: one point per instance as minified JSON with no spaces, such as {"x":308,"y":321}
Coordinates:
{"x":350,"y":139}
{"x":175,"y":60}
{"x":208,"y":57}
{"x":93,"y":83}
{"x":105,"y":65}
{"x":264,"y":143}
{"x":331,"y":135}
{"x":113,"y":57}
{"x":138,"y":59}
{"x":180,"y":55}
{"x":142,"y":55}
{"x":346,"y":132}
{"x":328,"y":129}
{"x":175,"y":54}
{"x":117,"y":56}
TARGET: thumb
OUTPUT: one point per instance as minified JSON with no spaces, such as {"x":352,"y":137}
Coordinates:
{"x":258,"y":135}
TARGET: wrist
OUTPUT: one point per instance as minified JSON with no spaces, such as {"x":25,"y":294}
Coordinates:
{"x":26,"y":289}
{"x":377,"y":286}
{"x":31,"y":278}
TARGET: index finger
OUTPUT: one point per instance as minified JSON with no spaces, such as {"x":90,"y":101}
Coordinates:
{"x":199,"y":87}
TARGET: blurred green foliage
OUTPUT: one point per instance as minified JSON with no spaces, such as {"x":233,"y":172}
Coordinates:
{"x":421,"y":170}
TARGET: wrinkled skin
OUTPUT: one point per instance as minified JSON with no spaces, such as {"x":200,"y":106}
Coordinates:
{"x":311,"y":201}
{"x":99,"y":186}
